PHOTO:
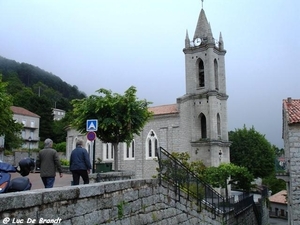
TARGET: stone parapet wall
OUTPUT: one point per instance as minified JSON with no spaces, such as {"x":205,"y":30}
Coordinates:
{"x":9,"y":159}
{"x":120,"y":202}
{"x":111,"y":176}
{"x":18,"y":155}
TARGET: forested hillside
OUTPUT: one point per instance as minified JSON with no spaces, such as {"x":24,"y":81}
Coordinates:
{"x":30,"y":75}
{"x":39,"y":91}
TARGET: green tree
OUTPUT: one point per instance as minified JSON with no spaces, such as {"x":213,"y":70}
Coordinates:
{"x":60,"y":128}
{"x":251,"y":149}
{"x":278,"y":151}
{"x":228,"y":173}
{"x":51,"y":94}
{"x":59,"y":132}
{"x":60,"y":147}
{"x":43,"y":107}
{"x":119,"y":117}
{"x":23,"y":97}
{"x":8,"y":127}
{"x":197,"y":167}
{"x":274,"y":184}
{"x":15,"y":85}
{"x":13,"y":138}
{"x":40,"y":105}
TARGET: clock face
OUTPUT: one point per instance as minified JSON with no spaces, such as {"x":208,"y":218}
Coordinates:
{"x":217,"y":43}
{"x":197,"y":41}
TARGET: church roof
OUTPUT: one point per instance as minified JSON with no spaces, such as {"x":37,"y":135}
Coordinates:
{"x":279,"y":197}
{"x":22,"y":111}
{"x":164,"y":109}
{"x":203,"y":27}
{"x":292,"y":108}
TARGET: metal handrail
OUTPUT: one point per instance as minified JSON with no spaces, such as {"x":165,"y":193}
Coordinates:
{"x":185,"y":180}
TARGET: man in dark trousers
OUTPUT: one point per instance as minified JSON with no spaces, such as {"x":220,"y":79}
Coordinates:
{"x":80,"y":164}
{"x":48,"y":161}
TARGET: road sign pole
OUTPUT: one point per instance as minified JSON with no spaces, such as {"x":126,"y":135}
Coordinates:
{"x":91,"y":136}
{"x":94,"y":151}
{"x":91,"y":126}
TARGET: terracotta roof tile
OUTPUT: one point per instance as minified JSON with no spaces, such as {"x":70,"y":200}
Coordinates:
{"x":292,"y":107}
{"x":164,"y":109}
{"x":22,"y":111}
{"x":279,"y":197}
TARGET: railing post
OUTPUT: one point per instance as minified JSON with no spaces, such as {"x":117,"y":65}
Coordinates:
{"x":214,"y":211}
{"x":158,"y":152}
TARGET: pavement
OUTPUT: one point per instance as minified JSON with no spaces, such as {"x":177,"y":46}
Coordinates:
{"x":37,"y":183}
{"x":277,"y":221}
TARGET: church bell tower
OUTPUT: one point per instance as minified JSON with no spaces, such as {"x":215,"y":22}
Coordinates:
{"x":203,"y":108}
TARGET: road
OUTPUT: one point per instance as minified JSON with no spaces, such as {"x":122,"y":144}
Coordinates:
{"x":37,"y":183}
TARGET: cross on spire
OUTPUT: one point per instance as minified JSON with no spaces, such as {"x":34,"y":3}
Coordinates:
{"x":202,"y":3}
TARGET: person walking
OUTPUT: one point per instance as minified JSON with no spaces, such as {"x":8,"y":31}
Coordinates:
{"x":48,"y":161}
{"x":80,"y":164}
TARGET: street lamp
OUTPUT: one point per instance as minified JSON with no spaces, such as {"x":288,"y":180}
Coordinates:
{"x":29,"y":153}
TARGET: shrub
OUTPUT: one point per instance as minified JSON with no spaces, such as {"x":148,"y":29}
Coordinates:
{"x":60,"y":147}
{"x":64,"y":162}
{"x":8,"y":152}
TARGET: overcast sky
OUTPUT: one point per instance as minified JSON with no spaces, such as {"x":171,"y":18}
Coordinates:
{"x":114,"y":44}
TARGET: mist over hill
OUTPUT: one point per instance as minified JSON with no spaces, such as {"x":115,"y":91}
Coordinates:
{"x":31,"y":75}
{"x":39,"y":91}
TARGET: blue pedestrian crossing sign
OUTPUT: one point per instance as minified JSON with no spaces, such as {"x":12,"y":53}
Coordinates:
{"x":92,"y":125}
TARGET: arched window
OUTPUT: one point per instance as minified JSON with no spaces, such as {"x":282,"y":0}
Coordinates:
{"x":129,"y":150}
{"x":216,"y":74}
{"x":219,"y":125}
{"x":150,"y":148}
{"x":201,"y":73}
{"x":203,"y":126}
{"x":151,"y":145}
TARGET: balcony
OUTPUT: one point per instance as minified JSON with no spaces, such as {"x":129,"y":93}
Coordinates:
{"x":29,"y":127}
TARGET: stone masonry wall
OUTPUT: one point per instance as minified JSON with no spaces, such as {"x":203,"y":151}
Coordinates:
{"x":294,"y":167}
{"x":120,"y":202}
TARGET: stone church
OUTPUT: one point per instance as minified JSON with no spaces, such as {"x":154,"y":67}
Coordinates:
{"x":196,"y":123}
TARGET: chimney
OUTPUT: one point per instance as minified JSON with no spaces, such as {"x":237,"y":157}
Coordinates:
{"x":289,"y":99}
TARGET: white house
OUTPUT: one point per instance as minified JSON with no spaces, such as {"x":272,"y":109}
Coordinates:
{"x":31,"y":126}
{"x":278,"y":205}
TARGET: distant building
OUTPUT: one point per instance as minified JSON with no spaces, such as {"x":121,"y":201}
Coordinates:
{"x":291,"y":137}
{"x":58,"y":114}
{"x":31,"y":126}
{"x":278,"y":205}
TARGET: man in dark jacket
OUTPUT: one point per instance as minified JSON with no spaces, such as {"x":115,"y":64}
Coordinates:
{"x":48,"y":161}
{"x":80,"y":164}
